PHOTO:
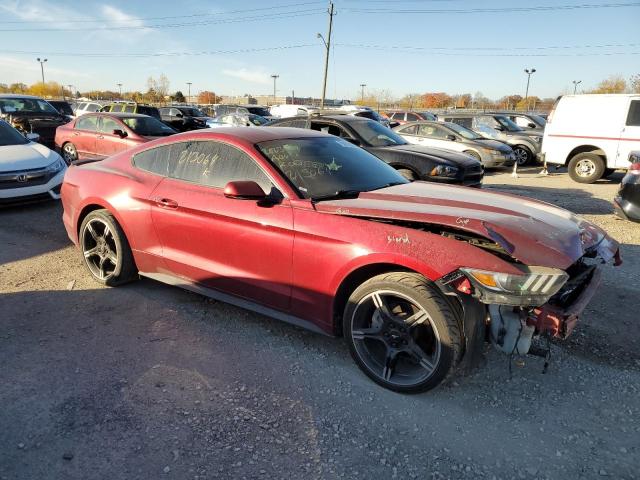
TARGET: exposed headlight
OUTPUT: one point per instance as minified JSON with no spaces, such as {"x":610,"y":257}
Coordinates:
{"x":534,"y":287}
{"x":444,"y":171}
{"x":56,"y":166}
{"x":537,"y":139}
{"x":492,"y":152}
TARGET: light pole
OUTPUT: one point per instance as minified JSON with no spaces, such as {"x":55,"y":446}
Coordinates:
{"x":575,"y":85}
{"x":189,"y":92}
{"x":42,"y":67}
{"x":120,"y":88}
{"x":327,"y":46}
{"x":70,"y":90}
{"x":275,"y":77}
{"x":362,"y":85}
{"x":529,"y":72}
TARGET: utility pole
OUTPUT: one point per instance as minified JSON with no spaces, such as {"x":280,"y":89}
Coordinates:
{"x":362,"y":85}
{"x":42,"y":68}
{"x":70,"y":91}
{"x":120,"y":89}
{"x":575,"y":85}
{"x":327,"y":45}
{"x":293,"y":97}
{"x":189,"y":93}
{"x":275,"y":77}
{"x":529,"y":72}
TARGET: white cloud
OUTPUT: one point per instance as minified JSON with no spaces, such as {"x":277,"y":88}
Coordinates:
{"x":251,"y":76}
{"x":119,"y":18}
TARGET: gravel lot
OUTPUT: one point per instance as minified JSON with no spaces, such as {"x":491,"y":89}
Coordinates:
{"x":148,"y":381}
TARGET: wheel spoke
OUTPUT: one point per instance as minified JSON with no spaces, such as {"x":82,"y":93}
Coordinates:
{"x":417,"y":318}
{"x":381,"y":305}
{"x":389,"y":364}
{"x":106,"y":232}
{"x":112,"y":257}
{"x":91,"y":252}
{"x":418,"y":354}
{"x":361,"y":334}
{"x":92,"y":231}
{"x":101,"y":270}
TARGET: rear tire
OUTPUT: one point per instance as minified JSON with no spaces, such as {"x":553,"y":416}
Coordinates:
{"x":402,"y":332}
{"x":523,"y":155}
{"x":105,"y":249}
{"x":69,"y":153}
{"x":586,"y":167}
{"x":408,"y":174}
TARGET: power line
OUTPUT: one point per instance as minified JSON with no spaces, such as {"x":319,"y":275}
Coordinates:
{"x":172,"y":17}
{"x":267,"y":16}
{"x":540,"y":8}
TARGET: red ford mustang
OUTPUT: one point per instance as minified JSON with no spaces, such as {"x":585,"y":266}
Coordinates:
{"x":310,"y":229}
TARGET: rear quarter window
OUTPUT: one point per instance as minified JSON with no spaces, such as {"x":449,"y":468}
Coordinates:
{"x":633,"y":117}
{"x":157,"y":160}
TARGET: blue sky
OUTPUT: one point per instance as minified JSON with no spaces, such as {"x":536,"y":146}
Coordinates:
{"x":452,"y":52}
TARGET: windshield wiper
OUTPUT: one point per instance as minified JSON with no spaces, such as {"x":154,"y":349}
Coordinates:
{"x":340,"y":194}
{"x":390,"y":184}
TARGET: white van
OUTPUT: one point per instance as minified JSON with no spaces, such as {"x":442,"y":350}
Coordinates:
{"x":284,"y":111}
{"x":592,"y":134}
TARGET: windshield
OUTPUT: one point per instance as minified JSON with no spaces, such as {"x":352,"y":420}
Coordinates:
{"x":26,"y":105}
{"x":508,"y":124}
{"x":463,"y":131}
{"x":192,"y":112}
{"x":62,"y":107}
{"x":10,"y":136}
{"x":148,"y":126}
{"x":257,"y":119}
{"x":263,"y":112}
{"x":376,"y":134}
{"x":323,"y":166}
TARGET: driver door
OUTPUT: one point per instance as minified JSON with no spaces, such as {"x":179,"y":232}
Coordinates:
{"x":234,"y":246}
{"x":108,"y":143}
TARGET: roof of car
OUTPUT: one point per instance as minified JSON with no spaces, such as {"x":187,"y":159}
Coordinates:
{"x":19,"y":95}
{"x":254,"y":134}
{"x":118,"y":114}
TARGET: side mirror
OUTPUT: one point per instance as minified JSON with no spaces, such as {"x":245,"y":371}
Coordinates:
{"x":451,"y":138}
{"x":355,"y":141}
{"x":33,"y":137}
{"x":179,"y":115}
{"x":499,"y":128}
{"x":244,"y":190}
{"x":120,"y":133}
{"x":532,"y":125}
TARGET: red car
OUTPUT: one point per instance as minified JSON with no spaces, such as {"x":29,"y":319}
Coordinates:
{"x":308,"y":228}
{"x":99,"y":135}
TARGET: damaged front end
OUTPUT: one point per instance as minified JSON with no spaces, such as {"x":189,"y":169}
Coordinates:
{"x":541,"y":301}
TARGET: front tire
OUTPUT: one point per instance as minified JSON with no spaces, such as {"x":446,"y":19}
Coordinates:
{"x":401,"y":332}
{"x":523,"y":155}
{"x":586,"y":168}
{"x":105,"y":249}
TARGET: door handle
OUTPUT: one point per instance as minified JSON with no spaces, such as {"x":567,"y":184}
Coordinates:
{"x":75,"y":134}
{"x":166,"y":203}
{"x":100,"y":137}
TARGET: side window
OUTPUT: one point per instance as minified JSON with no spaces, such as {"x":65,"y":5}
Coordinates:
{"x":412,"y":117}
{"x":488,"y":121}
{"x":398,"y":116}
{"x":129,"y":108}
{"x":164,"y":111}
{"x":215,"y":164}
{"x":521,"y":121}
{"x":108,"y":125}
{"x":633,"y":118}
{"x":174,"y":112}
{"x":159,"y":160}
{"x":93,"y":107}
{"x":87,"y":123}
{"x":464,"y":121}
{"x":82,"y":106}
{"x":412,"y":130}
{"x":330,"y":129}
{"x":427,"y":131}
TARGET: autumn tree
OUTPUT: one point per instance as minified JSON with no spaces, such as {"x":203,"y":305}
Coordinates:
{"x":435,"y":100}
{"x":410,"y":101}
{"x":207,"y":97}
{"x":613,"y":84}
{"x":510,"y":101}
{"x":634,"y":83}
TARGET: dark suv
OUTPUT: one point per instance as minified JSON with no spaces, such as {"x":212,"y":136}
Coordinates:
{"x":29,"y":114}
{"x":414,"y":162}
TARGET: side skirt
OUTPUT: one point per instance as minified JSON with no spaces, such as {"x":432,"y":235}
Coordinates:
{"x":233,"y":300}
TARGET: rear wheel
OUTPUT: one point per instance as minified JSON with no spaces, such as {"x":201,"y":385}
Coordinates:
{"x":523,"y":155}
{"x":105,"y":249}
{"x":586,"y":167}
{"x":69,"y":153}
{"x":408,"y":174}
{"x":401,"y":332}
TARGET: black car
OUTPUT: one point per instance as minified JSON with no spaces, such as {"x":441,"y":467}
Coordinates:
{"x":62,"y":106}
{"x":627,"y":201}
{"x":414,"y":162}
{"x":184,"y":118}
{"x":29,"y":114}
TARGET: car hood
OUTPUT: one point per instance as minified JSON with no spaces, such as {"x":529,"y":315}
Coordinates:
{"x":450,"y":156}
{"x":533,"y":232}
{"x":25,"y":157}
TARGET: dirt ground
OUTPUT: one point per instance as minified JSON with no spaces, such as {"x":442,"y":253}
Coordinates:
{"x":148,"y":381}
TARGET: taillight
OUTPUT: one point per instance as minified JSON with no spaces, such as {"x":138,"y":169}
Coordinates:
{"x":634,"y":168}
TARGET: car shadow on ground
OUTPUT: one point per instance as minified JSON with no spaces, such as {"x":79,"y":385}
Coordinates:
{"x":614,"y":178}
{"x":39,"y":235}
